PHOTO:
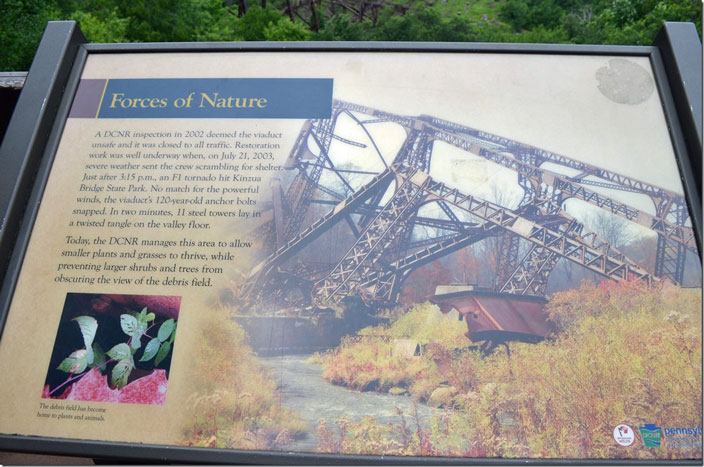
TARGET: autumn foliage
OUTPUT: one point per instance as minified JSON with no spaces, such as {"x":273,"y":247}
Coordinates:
{"x":625,"y":353}
{"x":233,"y":401}
{"x":374,"y":359}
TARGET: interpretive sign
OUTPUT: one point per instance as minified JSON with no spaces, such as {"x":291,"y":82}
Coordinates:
{"x":260,"y":253}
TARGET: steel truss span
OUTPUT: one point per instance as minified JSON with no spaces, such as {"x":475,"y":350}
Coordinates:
{"x":378,"y":217}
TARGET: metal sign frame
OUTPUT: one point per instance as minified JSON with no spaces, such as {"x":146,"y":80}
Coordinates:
{"x":32,"y":138}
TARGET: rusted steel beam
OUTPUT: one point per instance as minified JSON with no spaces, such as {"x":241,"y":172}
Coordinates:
{"x":495,"y":316}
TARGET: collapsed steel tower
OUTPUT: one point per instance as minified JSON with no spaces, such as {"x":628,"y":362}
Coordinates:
{"x":381,"y":214}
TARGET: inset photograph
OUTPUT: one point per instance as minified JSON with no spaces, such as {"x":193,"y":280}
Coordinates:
{"x":113,"y":348}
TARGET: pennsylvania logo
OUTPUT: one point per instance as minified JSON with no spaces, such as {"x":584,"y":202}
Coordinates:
{"x":651,"y":435}
{"x":683,"y":437}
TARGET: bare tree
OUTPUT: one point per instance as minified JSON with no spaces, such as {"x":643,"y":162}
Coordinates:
{"x":241,"y":7}
{"x":315,"y":26}
{"x":643,"y":251}
{"x":615,"y":230}
{"x":493,"y":248}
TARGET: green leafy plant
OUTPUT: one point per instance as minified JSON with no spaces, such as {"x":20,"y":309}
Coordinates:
{"x":135,"y":325}
{"x":79,"y":360}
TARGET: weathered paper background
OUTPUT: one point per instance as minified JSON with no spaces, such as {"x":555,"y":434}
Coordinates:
{"x":551,"y":102}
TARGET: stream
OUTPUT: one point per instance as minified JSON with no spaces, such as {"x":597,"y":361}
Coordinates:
{"x":303,"y":390}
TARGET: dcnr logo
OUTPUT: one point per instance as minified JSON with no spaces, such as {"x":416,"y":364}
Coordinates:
{"x":651,"y":435}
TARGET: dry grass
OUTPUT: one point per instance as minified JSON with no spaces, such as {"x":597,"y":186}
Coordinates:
{"x":625,"y":354}
{"x":233,"y":402}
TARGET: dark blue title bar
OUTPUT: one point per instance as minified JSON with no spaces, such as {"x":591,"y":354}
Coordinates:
{"x":216,"y":98}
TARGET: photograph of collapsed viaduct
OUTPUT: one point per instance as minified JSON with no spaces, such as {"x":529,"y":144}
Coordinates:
{"x":483,"y":284}
{"x":383,"y":225}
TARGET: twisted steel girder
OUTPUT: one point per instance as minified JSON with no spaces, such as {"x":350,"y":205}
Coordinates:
{"x":590,"y":251}
{"x":379,"y":259}
{"x":372,"y":242}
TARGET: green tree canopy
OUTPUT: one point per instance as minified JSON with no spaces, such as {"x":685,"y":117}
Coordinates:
{"x":554,"y":21}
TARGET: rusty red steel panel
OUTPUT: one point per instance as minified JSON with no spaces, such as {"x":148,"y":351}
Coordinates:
{"x":516,"y":317}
